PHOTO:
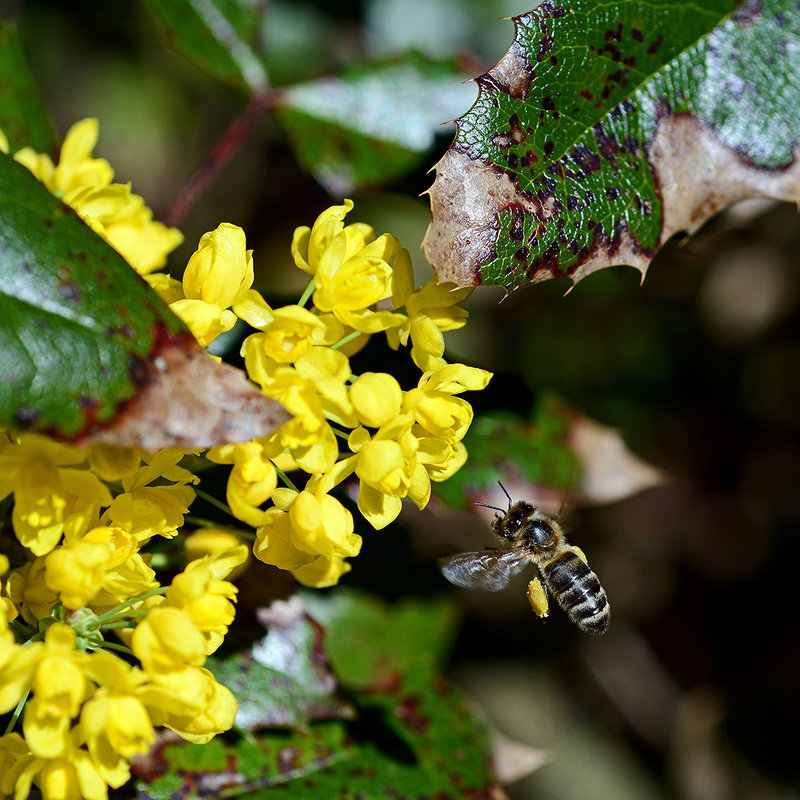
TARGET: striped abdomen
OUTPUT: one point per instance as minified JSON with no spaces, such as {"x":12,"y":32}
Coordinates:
{"x":576,"y":589}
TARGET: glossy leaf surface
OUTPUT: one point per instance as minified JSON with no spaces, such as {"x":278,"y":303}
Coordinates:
{"x":605,"y":129}
{"x":89,"y":350}
{"x":222,"y":37}
{"x":371,"y":122}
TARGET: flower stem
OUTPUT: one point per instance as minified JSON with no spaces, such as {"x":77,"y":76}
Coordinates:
{"x":119,"y":647}
{"x":226,"y":148}
{"x":345,"y":339}
{"x":110,"y":616}
{"x":209,"y":498}
{"x":207,"y":523}
{"x":307,"y":292}
{"x":286,"y":479}
{"x":17,"y":711}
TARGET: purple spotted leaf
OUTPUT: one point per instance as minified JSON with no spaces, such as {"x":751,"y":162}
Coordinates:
{"x":605,"y":129}
{"x":89,"y":351}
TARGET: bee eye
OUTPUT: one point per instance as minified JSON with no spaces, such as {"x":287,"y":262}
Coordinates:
{"x":513,"y":521}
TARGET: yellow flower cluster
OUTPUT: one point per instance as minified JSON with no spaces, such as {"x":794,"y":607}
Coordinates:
{"x":95,"y":652}
{"x":110,"y":209}
{"x":396,"y":441}
{"x":84,"y":517}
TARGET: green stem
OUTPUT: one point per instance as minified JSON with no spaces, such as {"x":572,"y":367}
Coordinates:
{"x":341,"y":434}
{"x":345,"y":339}
{"x":119,"y":647}
{"x":123,"y":623}
{"x":307,"y":292}
{"x":209,"y":498}
{"x":110,"y":616}
{"x":286,"y":479}
{"x":17,"y":711}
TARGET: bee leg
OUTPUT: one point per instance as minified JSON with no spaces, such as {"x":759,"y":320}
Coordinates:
{"x":581,"y":555}
{"x":537,"y":597}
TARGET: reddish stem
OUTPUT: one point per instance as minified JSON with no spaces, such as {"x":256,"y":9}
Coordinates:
{"x":224,"y":150}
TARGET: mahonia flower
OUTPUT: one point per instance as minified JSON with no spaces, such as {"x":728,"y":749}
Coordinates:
{"x":219,"y":273}
{"x":110,"y":209}
{"x":83,"y":587}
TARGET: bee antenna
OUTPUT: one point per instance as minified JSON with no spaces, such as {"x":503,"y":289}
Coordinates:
{"x":494,"y":508}
{"x":510,"y":501}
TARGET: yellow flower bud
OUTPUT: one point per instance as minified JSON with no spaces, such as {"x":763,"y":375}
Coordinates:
{"x":220,"y":270}
{"x":376,"y":398}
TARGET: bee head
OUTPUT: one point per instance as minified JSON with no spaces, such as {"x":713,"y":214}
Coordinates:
{"x":510,"y":524}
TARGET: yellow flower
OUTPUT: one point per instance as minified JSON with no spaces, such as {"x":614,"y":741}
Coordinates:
{"x":147,"y":511}
{"x":431,"y":310}
{"x":208,"y":541}
{"x":17,"y":766}
{"x":59,"y":687}
{"x":219,"y":273}
{"x":321,"y":525}
{"x":351,"y":269}
{"x":47,"y":488}
{"x":76,"y":571}
{"x":190,"y":702}
{"x":166,"y":640}
{"x":287,"y":335}
{"x":311,"y":540}
{"x":202,"y":593}
{"x":116,"y":727}
{"x":253,"y":478}
{"x":111,"y":210}
{"x":307,"y":435}
{"x":389,"y":470}
{"x":328,"y":371}
{"x":28,"y":590}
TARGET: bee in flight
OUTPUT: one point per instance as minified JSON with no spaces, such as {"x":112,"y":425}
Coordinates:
{"x":536,"y":538}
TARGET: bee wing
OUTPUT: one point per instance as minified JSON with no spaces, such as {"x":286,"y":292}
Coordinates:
{"x":485,"y":569}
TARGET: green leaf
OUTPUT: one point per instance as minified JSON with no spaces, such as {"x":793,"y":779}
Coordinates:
{"x":371,"y":122}
{"x":23,"y":118}
{"x":223,"y":37}
{"x":284,"y":680}
{"x":555,"y":455}
{"x":505,"y":447}
{"x":599,"y":135}
{"x":89,"y":351}
{"x":372,"y":644}
{"x":414,"y":736}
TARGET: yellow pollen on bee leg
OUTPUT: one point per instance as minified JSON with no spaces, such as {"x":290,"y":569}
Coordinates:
{"x":581,"y":555}
{"x":537,"y":597}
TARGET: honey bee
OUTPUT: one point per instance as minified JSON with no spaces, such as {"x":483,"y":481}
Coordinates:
{"x":536,"y":538}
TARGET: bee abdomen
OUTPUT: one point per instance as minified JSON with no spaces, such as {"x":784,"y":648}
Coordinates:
{"x":576,"y":589}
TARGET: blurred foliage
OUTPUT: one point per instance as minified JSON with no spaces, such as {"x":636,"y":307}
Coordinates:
{"x":697,"y":368}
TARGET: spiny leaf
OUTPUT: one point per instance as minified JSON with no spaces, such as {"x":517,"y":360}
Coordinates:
{"x":90,"y":352}
{"x":371,"y":122}
{"x":225,"y":38}
{"x":606,"y":129}
{"x":23,"y":118}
